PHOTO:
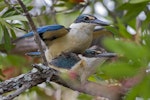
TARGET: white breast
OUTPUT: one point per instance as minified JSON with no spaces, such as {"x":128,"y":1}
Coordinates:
{"x":81,"y":34}
{"x":77,"y":40}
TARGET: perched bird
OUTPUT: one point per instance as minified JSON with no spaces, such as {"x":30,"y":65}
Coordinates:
{"x":81,"y":67}
{"x":76,"y":38}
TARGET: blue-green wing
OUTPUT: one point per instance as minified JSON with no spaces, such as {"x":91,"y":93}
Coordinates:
{"x":49,"y":32}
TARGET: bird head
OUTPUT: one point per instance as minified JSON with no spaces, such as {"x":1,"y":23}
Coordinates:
{"x":87,"y":20}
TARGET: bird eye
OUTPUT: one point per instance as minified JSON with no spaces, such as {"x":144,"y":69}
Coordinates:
{"x":86,"y":18}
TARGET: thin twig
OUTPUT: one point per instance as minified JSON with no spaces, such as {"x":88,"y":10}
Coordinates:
{"x":16,"y":93}
{"x":36,"y":35}
{"x":53,"y":11}
{"x":87,"y":3}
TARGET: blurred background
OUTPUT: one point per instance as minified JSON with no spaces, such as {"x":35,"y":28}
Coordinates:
{"x":130,"y":27}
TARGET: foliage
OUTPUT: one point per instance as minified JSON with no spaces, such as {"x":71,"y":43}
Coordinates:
{"x":133,"y":49}
{"x":84,"y":97}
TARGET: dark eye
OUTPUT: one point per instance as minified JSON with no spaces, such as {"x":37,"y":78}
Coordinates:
{"x":86,"y":18}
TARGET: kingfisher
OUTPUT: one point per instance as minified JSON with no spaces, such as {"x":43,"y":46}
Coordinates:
{"x":76,"y":38}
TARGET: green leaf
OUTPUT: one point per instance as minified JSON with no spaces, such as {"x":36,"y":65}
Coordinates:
{"x":132,"y":10}
{"x":114,"y":30}
{"x":122,"y":29}
{"x":85,"y":97}
{"x":16,"y":17}
{"x":2,"y":5}
{"x":119,"y":70}
{"x":4,"y":23}
{"x":13,"y":34}
{"x":132,"y":23}
{"x":138,"y":1}
{"x":14,"y":60}
{"x":12,"y":12}
{"x":7,"y":39}
{"x":132,"y":53}
{"x":144,"y":88}
{"x":27,"y":2}
{"x":133,"y":93}
{"x":1,"y":73}
{"x":30,"y":8}
{"x":17,"y":25}
{"x":1,"y":32}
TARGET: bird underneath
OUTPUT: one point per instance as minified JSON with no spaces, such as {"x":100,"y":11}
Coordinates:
{"x":76,"y":38}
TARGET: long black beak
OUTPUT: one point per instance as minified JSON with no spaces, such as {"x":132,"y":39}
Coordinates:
{"x":107,"y":54}
{"x":99,"y":22}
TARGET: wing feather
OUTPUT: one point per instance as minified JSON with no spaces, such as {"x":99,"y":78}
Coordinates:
{"x":49,"y":32}
{"x":99,"y":34}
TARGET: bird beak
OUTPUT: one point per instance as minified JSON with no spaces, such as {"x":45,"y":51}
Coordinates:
{"x":99,"y":22}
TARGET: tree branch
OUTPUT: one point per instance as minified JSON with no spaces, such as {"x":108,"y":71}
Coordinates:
{"x":17,"y":92}
{"x":41,"y":73}
{"x":35,"y":77}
